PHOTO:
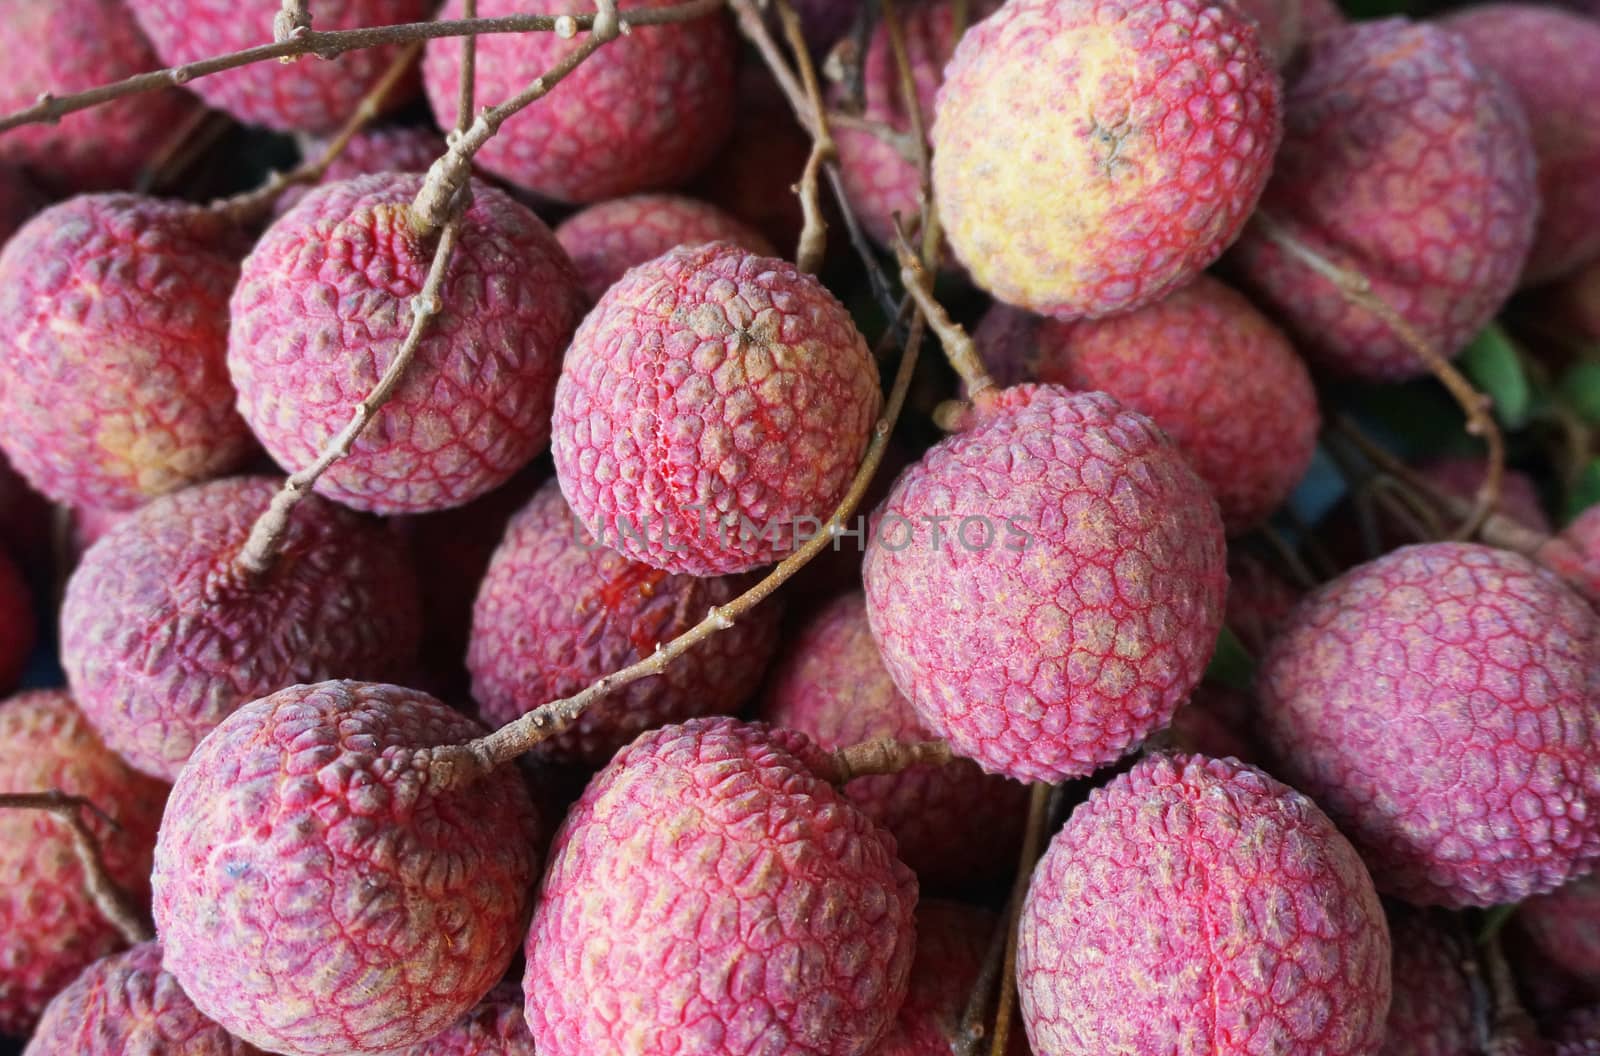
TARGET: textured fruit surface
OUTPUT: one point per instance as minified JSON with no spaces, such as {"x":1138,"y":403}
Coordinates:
{"x":50,"y":929}
{"x":395,"y":148}
{"x":310,"y":94}
{"x":1080,"y":565}
{"x":1220,"y":379}
{"x":315,"y":894}
{"x":1433,"y":1011}
{"x":126,"y":1005}
{"x":607,"y":239}
{"x":1199,"y":908}
{"x":711,"y":410}
{"x":595,"y":138}
{"x":16,"y":623}
{"x":68,"y":46}
{"x":113,"y":385}
{"x":710,"y":894}
{"x":1445,"y":644}
{"x":163,"y":636}
{"x":1090,"y":156}
{"x":557,"y":611}
{"x":1548,"y":58}
{"x":323,"y":304}
{"x":494,"y":1028}
{"x":952,"y":941}
{"x":1406,"y":163}
{"x":1564,"y":926}
{"x":958,"y":827}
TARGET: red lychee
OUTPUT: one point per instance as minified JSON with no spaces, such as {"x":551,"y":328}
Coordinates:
{"x":393,"y":148}
{"x":1440,"y":704}
{"x":316,"y":893}
{"x":1433,"y":1012}
{"x":1407,"y":164}
{"x":164,"y":635}
{"x":1047,"y":586}
{"x":494,"y":1028}
{"x":16,"y":623}
{"x":711,"y":894}
{"x":711,"y":411}
{"x":113,"y":385}
{"x":1091,"y":156}
{"x":323,"y":305}
{"x":952,"y":941}
{"x":1197,"y":906}
{"x":50,"y":928}
{"x":1564,"y":926}
{"x":596,"y":137}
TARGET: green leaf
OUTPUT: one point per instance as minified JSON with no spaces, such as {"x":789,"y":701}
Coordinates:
{"x":1231,"y":663}
{"x":1580,"y":387}
{"x":1491,"y":361}
{"x":1586,"y":492}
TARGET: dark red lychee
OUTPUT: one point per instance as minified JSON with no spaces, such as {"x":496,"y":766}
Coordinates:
{"x":1434,"y":1011}
{"x":24,"y":518}
{"x":753,"y":175}
{"x":952,"y":942}
{"x":16,"y":623}
{"x":494,"y":1028}
{"x":1564,"y":926}
{"x":391,"y":148}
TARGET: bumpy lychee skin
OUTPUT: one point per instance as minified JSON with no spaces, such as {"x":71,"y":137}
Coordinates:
{"x":593,"y":139}
{"x":557,"y":611}
{"x":314,"y":893}
{"x":68,"y":46}
{"x":50,"y":929}
{"x":952,"y":941}
{"x":394,"y":148}
{"x":1201,"y":908}
{"x":16,"y":623}
{"x":710,"y":893}
{"x":607,"y":239}
{"x":323,"y":305}
{"x":308,"y":95}
{"x":126,"y":1004}
{"x":1090,"y":156}
{"x":1564,"y":926}
{"x":711,"y":410}
{"x":163,"y":636}
{"x":1547,"y":56}
{"x":958,"y":827}
{"x":494,"y":1028}
{"x":1222,"y":381}
{"x":1440,"y":704}
{"x":1406,"y":163}
{"x":1432,"y":1013}
{"x":113,"y":385}
{"x":1069,"y":598}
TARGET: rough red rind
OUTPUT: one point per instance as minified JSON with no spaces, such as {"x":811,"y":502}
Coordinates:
{"x":127,"y":1005}
{"x":310,"y":94}
{"x":710,"y":894}
{"x":1222,"y":381}
{"x":393,"y":148}
{"x":1564,"y":926}
{"x":1406,"y":163}
{"x":1548,"y":57}
{"x":314,"y":894}
{"x":1091,"y":612}
{"x":712,"y":410}
{"x":557,"y":611}
{"x":67,"y":46}
{"x":1090,"y":156}
{"x":644,"y":113}
{"x":952,"y":942}
{"x":1440,"y":704}
{"x":16,"y":624}
{"x":1434,"y":1007}
{"x":163,"y":636}
{"x":50,"y":929}
{"x":323,"y":304}
{"x":112,"y":381}
{"x":1199,"y":908}
{"x":494,"y":1028}
{"x":957,"y":827}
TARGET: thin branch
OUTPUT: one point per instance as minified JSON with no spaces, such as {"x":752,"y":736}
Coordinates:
{"x":813,"y":244}
{"x":922,"y":158}
{"x":467,"y":87}
{"x":972,"y":1031}
{"x":959,"y":347}
{"x":899,"y":141}
{"x":1298,"y":571}
{"x":292,"y":21}
{"x":176,"y":149}
{"x":112,"y":902}
{"x":884,"y":755}
{"x":1032,"y":845}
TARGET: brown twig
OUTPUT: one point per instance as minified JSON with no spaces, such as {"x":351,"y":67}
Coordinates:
{"x":922,"y":158}
{"x":112,"y":902}
{"x":959,"y":347}
{"x":1303,"y":576}
{"x":884,"y":755}
{"x":291,"y":21}
{"x":177,"y":149}
{"x":813,"y":245}
{"x":971,"y":1031}
{"x":899,"y":141}
{"x":467,"y":87}
{"x":1032,"y":845}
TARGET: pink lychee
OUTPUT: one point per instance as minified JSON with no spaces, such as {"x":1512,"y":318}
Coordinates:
{"x":391,"y":148}
{"x":1433,"y":1011}
{"x":712,"y":410}
{"x":1047,"y":585}
{"x":323,"y":305}
{"x":494,"y":1028}
{"x":1197,"y":906}
{"x":952,"y":943}
{"x":16,"y":623}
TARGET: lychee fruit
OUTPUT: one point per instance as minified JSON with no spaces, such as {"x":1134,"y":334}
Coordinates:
{"x":50,"y":928}
{"x":16,"y":623}
{"x":1198,"y":906}
{"x":390,"y":148}
{"x":1578,"y":1034}
{"x":607,"y":239}
{"x":557,"y":611}
{"x":594,"y":138}
{"x":164,"y":634}
{"x":127,"y":1004}
{"x":1439,"y":703}
{"x":310,"y":94}
{"x":752,"y":177}
{"x":957,"y":827}
{"x":316,"y":892}
{"x":494,"y":1028}
{"x":711,"y":893}
{"x":1047,"y":586}
{"x":1564,"y":926}
{"x":324,"y":303}
{"x":1222,"y":381}
{"x":1091,"y":156}
{"x":68,"y":46}
{"x":1408,"y":165}
{"x":952,"y":942}
{"x":1547,"y":56}
{"x":712,"y":410}
{"x":113,"y":385}
{"x":1433,"y":1011}
{"x":1462,"y":475}
{"x":1284,"y":25}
